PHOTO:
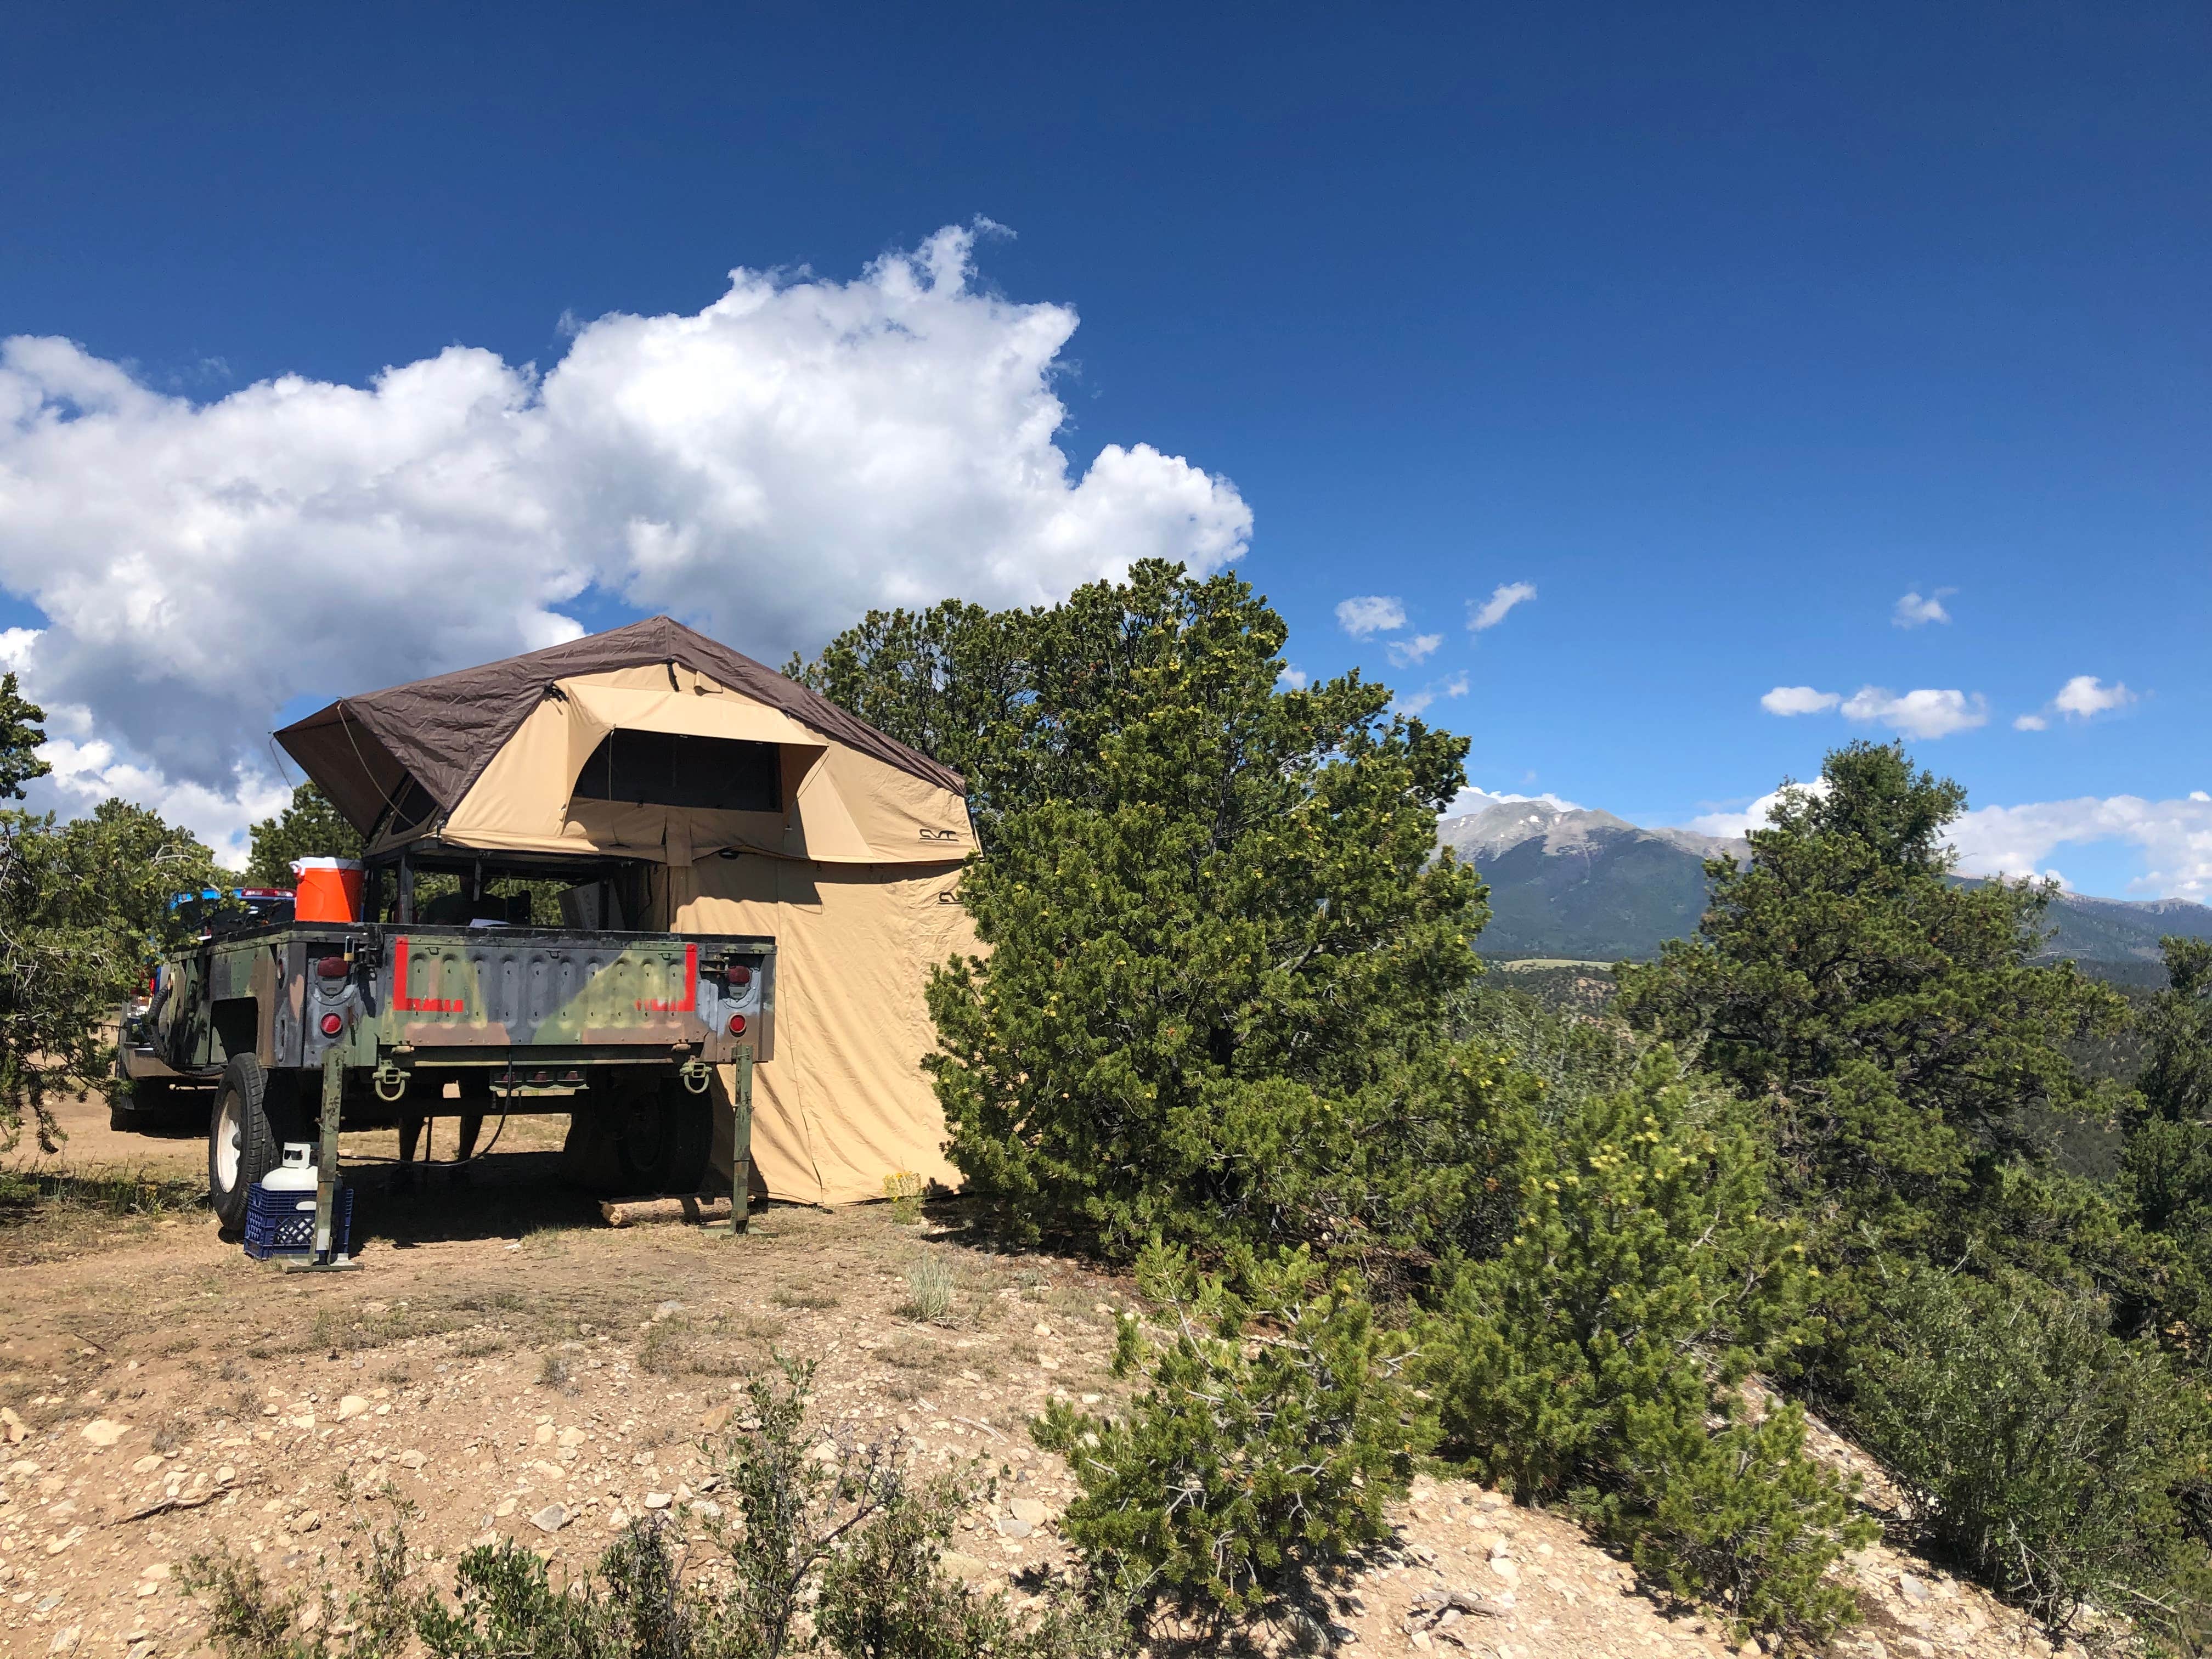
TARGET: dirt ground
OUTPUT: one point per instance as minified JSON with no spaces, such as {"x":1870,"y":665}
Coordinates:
{"x":504,"y":1364}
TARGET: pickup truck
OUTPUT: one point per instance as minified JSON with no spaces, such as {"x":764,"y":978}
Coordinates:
{"x":622,"y":1031}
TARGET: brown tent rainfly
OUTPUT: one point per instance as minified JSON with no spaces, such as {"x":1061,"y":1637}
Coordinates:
{"x":753,"y":805}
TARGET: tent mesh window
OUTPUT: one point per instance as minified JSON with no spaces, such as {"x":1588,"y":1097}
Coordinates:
{"x":665,"y":768}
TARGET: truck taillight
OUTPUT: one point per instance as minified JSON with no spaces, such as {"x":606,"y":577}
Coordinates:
{"x":737,"y":1024}
{"x":739,"y":977}
{"x":331,"y":967}
{"x":332,"y":1026}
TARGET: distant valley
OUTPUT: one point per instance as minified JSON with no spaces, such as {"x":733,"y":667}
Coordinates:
{"x":1584,"y":885}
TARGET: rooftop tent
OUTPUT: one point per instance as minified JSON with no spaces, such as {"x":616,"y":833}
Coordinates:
{"x":763,"y":808}
{"x":497,"y":757}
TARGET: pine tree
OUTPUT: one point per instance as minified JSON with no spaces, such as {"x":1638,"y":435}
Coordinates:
{"x":1220,"y":957}
{"x":84,"y":908}
{"x":22,"y":730}
{"x":2166,"y":1164}
{"x":1888,"y":1016}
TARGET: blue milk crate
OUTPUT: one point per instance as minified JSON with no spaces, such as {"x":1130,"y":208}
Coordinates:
{"x":283,"y":1223}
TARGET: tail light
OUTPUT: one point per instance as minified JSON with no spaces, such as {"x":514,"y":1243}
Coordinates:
{"x":332,"y":1025}
{"x":739,"y":977}
{"x":737,"y":1024}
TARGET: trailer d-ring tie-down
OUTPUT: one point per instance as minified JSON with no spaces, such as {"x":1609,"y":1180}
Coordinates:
{"x":389,"y":1082}
{"x":698,"y":1076}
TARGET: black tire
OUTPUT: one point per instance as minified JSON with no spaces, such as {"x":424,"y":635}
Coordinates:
{"x":663,"y":1137}
{"x":150,"y":1103}
{"x":257,"y":1114}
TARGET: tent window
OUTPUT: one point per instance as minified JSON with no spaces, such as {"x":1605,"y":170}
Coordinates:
{"x":415,"y":804}
{"x":667,"y":768}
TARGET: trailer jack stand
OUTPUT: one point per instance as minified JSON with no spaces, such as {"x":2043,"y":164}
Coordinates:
{"x":325,"y":1259}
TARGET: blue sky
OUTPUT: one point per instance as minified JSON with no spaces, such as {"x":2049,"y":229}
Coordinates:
{"x":1723,"y":328}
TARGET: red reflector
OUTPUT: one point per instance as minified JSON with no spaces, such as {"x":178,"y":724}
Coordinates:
{"x":332,"y":1026}
{"x":741,"y":976}
{"x":331,"y":967}
{"x":737,"y":1024}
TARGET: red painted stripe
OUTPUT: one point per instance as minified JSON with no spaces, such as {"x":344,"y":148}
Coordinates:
{"x":689,"y":1002}
{"x":405,"y":1001}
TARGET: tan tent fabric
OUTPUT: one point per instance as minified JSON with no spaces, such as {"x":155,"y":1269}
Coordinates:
{"x":845,"y":1102}
{"x":375,"y":753}
{"x":521,"y":801}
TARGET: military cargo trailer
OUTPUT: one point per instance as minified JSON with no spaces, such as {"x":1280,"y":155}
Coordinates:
{"x":621,"y":1031}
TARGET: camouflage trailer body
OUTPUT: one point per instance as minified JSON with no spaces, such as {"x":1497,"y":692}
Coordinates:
{"x":484,"y":1000}
{"x":626,"y":1034}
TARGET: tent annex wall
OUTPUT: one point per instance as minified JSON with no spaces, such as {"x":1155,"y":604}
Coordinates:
{"x":855,"y":875}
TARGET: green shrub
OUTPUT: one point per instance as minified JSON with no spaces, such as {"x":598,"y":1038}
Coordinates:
{"x":794,"y":1505}
{"x":505,"y":1602}
{"x":249,"y":1618}
{"x":845,"y":1536}
{"x":1737,"y":1517}
{"x":2043,"y":1453}
{"x":884,"y":1595}
{"x":1274,"y":1429}
{"x":1599,"y":1356}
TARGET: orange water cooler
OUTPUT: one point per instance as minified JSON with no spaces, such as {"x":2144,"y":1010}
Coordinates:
{"x":327,"y":890}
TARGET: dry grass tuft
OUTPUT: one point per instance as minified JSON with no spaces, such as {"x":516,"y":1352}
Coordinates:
{"x":929,"y":1292}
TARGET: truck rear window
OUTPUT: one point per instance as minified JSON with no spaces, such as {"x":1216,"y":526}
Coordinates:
{"x":664,"y":768}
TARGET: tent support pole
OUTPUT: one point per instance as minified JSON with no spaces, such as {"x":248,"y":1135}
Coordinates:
{"x":325,"y":1257}
{"x":741,"y":1142}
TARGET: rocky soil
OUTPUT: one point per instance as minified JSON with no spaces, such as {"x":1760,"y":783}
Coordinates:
{"x":506,"y":1365}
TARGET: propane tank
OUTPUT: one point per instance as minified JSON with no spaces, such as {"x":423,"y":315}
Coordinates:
{"x":297,"y":1174}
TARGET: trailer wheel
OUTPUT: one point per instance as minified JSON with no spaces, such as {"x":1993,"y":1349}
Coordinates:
{"x":665,"y":1136}
{"x":153,"y":1105}
{"x":254,"y":1114}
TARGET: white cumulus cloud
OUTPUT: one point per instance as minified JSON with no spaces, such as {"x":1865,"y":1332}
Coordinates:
{"x":1370,"y":613}
{"x":2085,"y":695}
{"x":1503,"y":598}
{"x":1798,"y":700}
{"x":766,"y":468}
{"x":1736,"y":824}
{"x":2083,"y":698}
{"x":1924,"y":714}
{"x":1917,"y":610}
{"x":1404,"y":653}
{"x":2174,"y":836}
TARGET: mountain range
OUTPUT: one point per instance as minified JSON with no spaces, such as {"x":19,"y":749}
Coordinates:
{"x":1577,"y":885}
